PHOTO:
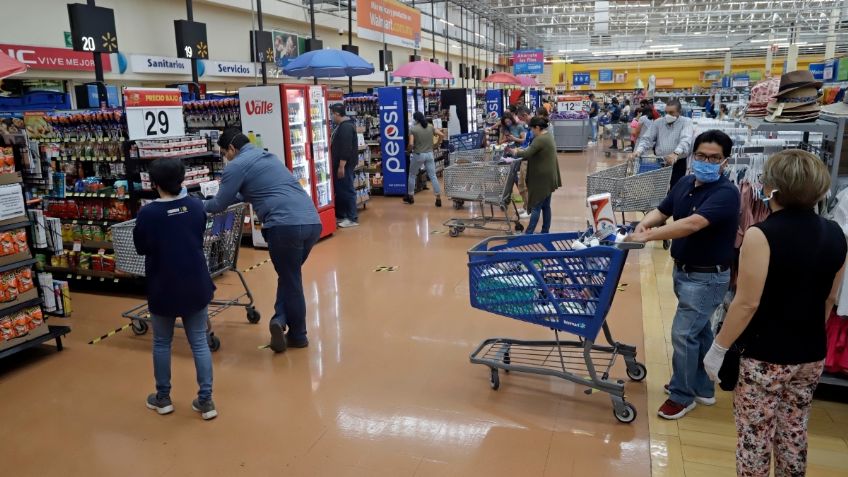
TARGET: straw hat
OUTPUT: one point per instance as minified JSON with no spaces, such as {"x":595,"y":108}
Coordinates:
{"x":837,"y":109}
{"x":796,"y":99}
{"x":795,"y":80}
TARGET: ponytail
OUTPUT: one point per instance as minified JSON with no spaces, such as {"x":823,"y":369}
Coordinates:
{"x":420,"y":119}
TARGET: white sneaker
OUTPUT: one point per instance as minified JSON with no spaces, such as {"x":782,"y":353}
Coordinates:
{"x":521,"y":211}
{"x":523,"y":215}
{"x":591,"y":143}
{"x":347,"y":223}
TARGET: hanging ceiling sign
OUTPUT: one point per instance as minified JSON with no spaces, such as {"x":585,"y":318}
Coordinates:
{"x":829,"y":72}
{"x":154,"y":113}
{"x":159,"y":65}
{"x":528,"y":62}
{"x":230,"y":68}
{"x":581,"y":78}
{"x":92,"y":28}
{"x":389,"y":21}
{"x":191,"y":39}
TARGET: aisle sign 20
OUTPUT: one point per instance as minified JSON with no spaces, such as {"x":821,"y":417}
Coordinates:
{"x":154,"y":113}
{"x":92,"y":28}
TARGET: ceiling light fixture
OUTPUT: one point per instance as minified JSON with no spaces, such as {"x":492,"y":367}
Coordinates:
{"x":703,"y":50}
{"x":446,"y":22}
{"x":763,"y":40}
{"x":665,"y":47}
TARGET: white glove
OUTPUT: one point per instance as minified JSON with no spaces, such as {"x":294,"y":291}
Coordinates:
{"x":713,"y":360}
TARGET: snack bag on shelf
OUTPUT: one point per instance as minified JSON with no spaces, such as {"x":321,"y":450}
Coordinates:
{"x":10,"y":283}
{"x":24,"y":278}
{"x":36,"y":317}
{"x":84,"y":261}
{"x":7,"y":328}
{"x":109,"y":263}
{"x":21,"y":240}
{"x":21,"y":320}
{"x":7,"y":244}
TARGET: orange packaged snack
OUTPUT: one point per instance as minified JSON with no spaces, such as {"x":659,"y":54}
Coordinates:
{"x":21,"y":320}
{"x":7,"y":244}
{"x":37,"y":318}
{"x":24,"y":278}
{"x":7,"y":329}
{"x":9,"y":164}
{"x":10,"y":284}
{"x":21,"y":240}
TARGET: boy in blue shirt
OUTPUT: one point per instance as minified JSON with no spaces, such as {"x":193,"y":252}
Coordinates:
{"x":169,"y":233}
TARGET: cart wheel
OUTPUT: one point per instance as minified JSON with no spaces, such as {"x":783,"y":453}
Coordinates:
{"x":666,"y":244}
{"x":454,"y":232}
{"x":139,"y":327}
{"x":214,"y":343}
{"x":507,"y":360}
{"x":253,"y":315}
{"x":627,"y":414}
{"x":495,"y":380}
{"x":519,"y":227}
{"x":637,"y":372}
{"x":457,"y":204}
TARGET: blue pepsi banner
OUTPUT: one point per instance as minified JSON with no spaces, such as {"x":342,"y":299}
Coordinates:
{"x":581,"y":78}
{"x":494,"y":103}
{"x":605,"y":76}
{"x":535,"y":99}
{"x":528,"y":62}
{"x":817,"y":69}
{"x":390,"y":102}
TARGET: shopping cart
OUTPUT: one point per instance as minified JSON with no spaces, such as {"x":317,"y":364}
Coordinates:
{"x":631,"y":189}
{"x":473,"y":155}
{"x":465,"y":142}
{"x":544,"y":280}
{"x":489,"y":184}
{"x":620,"y":132}
{"x":220,"y":245}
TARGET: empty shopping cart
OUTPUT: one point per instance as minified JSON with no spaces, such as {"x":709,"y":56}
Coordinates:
{"x":545,"y":280}
{"x":473,"y":155}
{"x":490,"y":185}
{"x":220,"y":245}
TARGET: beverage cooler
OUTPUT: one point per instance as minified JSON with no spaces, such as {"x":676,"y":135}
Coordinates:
{"x":292,"y":122}
{"x":465,"y":101}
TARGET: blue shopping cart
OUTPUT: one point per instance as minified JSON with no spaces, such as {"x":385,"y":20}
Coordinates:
{"x":545,"y":280}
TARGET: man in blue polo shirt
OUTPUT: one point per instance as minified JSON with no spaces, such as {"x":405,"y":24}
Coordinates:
{"x":705,"y":207}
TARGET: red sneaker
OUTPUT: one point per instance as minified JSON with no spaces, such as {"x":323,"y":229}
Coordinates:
{"x":700,"y":400}
{"x":672,"y":410}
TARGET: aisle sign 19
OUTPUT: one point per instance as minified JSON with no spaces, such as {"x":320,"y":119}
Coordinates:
{"x":191,"y":39}
{"x":154,"y":113}
{"x":92,"y":28}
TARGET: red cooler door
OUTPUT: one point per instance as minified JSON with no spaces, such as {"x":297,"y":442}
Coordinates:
{"x":321,"y":166}
{"x":297,"y":150}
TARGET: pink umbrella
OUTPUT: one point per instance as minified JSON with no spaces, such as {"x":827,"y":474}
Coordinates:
{"x":503,"y":78}
{"x":10,"y":66}
{"x":527,"y":80}
{"x":423,"y":70}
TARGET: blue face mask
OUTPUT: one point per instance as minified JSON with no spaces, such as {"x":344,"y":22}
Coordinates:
{"x":766,"y":198}
{"x":706,"y":172}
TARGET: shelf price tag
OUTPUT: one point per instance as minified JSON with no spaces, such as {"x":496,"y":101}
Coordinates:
{"x":154,"y":113}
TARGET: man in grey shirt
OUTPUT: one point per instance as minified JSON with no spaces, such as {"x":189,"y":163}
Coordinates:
{"x":671,"y":138}
{"x":290,"y":225}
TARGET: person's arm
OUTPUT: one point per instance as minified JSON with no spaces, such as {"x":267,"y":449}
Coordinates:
{"x":228,"y":192}
{"x":140,"y":236}
{"x":439,"y":133}
{"x":521,"y":137}
{"x":652,"y":219}
{"x":531,"y":150}
{"x":411,"y":145}
{"x":685,"y":144}
{"x":647,"y":141}
{"x":346,"y":136}
{"x":754,"y":258}
{"x":834,"y":292}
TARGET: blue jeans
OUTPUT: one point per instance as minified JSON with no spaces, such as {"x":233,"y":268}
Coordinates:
{"x":426,"y":159}
{"x":195,"y":326}
{"x":289,"y":246}
{"x":698,"y":296}
{"x":543,"y":208}
{"x":345,"y":194}
{"x":594,"y":122}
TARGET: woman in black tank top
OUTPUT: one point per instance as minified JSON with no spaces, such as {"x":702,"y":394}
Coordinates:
{"x":790,"y":268}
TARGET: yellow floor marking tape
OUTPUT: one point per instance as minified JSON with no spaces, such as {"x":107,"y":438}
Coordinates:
{"x":254,"y":267}
{"x":111,"y":333}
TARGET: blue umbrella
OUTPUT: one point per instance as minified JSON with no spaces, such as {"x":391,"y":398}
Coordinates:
{"x":328,"y":63}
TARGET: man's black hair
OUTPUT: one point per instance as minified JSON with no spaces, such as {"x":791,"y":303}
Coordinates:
{"x":339,"y":109}
{"x":168,"y":173}
{"x":714,"y":136}
{"x":234,"y":137}
{"x":591,"y":96}
{"x":539,"y":122}
{"x":513,"y":108}
{"x":674,"y":102}
{"x":524,"y":110}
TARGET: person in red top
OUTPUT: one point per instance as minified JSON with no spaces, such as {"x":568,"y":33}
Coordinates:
{"x":648,"y":109}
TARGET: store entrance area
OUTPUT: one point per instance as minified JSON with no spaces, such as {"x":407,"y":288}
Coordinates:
{"x":385,"y":387}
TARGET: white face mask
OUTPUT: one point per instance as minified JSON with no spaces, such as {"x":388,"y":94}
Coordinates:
{"x":669,"y":119}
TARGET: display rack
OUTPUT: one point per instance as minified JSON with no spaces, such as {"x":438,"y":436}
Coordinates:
{"x":23,"y":318}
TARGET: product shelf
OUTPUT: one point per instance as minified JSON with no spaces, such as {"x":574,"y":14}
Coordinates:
{"x":54,"y":333}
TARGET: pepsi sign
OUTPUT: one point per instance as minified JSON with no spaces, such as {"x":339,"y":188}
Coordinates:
{"x":494,"y":103}
{"x":392,"y":139}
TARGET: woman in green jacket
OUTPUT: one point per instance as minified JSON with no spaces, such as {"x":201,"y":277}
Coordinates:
{"x":543,"y":176}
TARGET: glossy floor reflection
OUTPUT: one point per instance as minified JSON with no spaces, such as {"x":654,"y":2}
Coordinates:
{"x":385,"y":388}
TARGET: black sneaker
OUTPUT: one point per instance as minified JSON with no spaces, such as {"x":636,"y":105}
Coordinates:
{"x":205,"y":408}
{"x":278,"y":337}
{"x":408,"y":199}
{"x":301,"y":343}
{"x":162,"y":405}
{"x":438,"y":201}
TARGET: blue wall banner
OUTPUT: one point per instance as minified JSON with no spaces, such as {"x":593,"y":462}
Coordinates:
{"x":605,"y":76}
{"x":817,"y":69}
{"x":581,"y":78}
{"x":392,"y":107}
{"x":494,"y":103}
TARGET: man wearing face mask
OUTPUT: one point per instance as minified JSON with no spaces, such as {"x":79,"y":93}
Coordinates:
{"x":290,"y":225}
{"x":670,"y":137}
{"x":705,"y":207}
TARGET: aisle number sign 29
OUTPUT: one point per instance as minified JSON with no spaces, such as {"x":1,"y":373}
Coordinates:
{"x":92,"y":28}
{"x":154,"y":113}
